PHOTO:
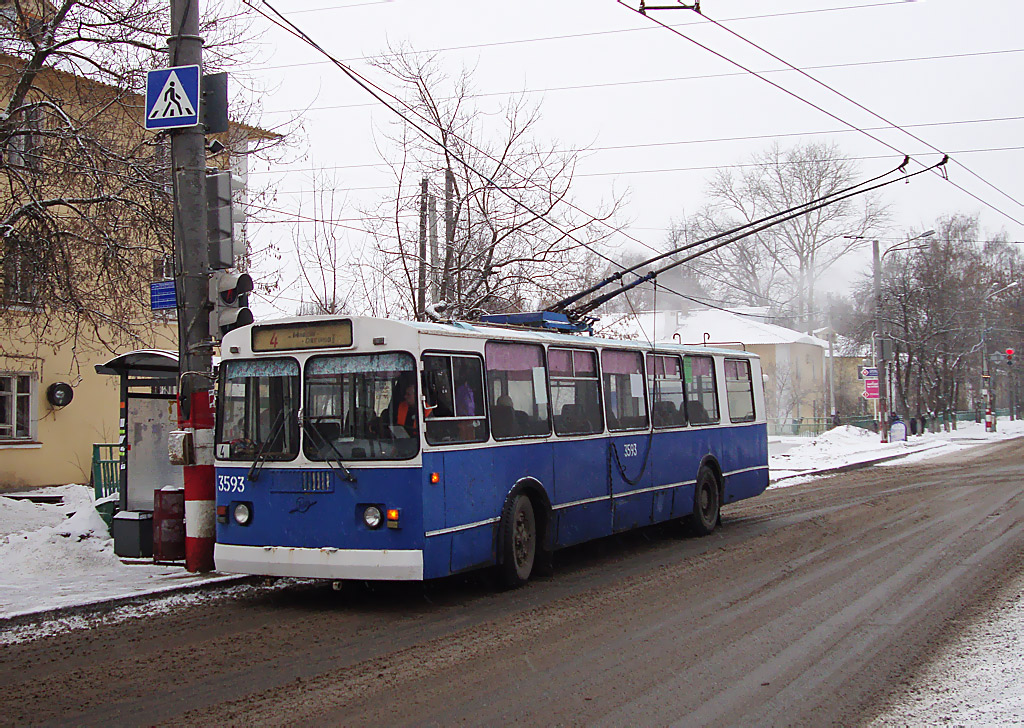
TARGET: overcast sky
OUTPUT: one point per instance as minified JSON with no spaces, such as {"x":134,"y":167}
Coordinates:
{"x":659,"y":112}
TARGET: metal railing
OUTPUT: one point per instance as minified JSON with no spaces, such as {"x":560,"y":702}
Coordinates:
{"x":813,"y":426}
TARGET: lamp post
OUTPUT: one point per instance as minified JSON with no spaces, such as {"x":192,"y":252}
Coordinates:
{"x":986,"y":379}
{"x":883,"y":341}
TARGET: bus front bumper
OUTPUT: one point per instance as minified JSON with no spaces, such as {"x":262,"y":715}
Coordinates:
{"x":322,"y":563}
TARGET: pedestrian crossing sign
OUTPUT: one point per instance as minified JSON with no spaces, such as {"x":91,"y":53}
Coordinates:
{"x":172,"y":97}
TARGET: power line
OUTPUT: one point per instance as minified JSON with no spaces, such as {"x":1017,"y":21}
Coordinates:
{"x":675,"y":79}
{"x":880,"y":118}
{"x":669,"y":170}
{"x":680,"y":142}
{"x":568,"y":36}
{"x":811,"y":103}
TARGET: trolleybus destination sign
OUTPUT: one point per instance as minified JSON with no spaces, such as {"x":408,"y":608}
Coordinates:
{"x":308,"y":335}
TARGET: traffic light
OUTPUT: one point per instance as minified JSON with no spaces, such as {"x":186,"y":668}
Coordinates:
{"x":221,"y":216}
{"x":1009,"y":357}
{"x":229,"y":294}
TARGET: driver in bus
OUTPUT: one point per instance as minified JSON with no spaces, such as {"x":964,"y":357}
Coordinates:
{"x":407,"y":414}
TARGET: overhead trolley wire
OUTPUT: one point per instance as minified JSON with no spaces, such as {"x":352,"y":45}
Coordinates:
{"x":810,"y":103}
{"x":377,"y":92}
{"x":774,"y":218}
{"x":677,"y":79}
{"x":567,"y":36}
{"x":583,"y":309}
{"x":873,"y":113}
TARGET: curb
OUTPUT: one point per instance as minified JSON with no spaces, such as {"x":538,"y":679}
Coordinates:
{"x":106,"y":604}
{"x":855,"y":466}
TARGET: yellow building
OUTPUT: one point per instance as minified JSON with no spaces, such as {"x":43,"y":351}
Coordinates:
{"x":64,"y":309}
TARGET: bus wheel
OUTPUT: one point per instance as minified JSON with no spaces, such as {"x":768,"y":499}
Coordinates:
{"x":705,"y":503}
{"x":519,"y":542}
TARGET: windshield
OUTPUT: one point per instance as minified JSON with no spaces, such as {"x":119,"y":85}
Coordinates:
{"x":361,"y":407}
{"x":259,"y":400}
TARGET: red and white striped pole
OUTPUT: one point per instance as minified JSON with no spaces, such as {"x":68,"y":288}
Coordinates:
{"x":200,"y":509}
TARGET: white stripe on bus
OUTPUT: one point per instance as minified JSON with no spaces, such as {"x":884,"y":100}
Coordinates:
{"x":585,"y":501}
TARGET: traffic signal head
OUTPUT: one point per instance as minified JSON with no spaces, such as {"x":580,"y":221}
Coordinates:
{"x":221,"y":216}
{"x":1009,"y":356}
{"x":229,"y":294}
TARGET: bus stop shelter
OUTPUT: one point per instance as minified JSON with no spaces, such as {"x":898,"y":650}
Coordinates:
{"x":148,"y":414}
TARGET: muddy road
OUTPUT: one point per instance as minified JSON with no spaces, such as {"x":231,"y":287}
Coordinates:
{"x":802,"y":610}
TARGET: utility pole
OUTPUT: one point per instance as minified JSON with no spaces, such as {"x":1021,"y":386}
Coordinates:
{"x":449,"y":235}
{"x":986,"y":377}
{"x":883,"y":391}
{"x":195,"y":350}
{"x":435,"y":294}
{"x":421,"y":284}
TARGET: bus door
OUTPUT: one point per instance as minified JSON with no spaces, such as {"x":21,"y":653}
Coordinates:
{"x":454,"y":417}
{"x":625,"y":405}
{"x":581,"y":494}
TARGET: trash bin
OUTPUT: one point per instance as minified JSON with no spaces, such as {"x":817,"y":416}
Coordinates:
{"x":133,"y":534}
{"x":898,"y":431}
{"x":168,"y":524}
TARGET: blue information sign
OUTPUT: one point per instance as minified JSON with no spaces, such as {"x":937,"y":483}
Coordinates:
{"x":162,"y":295}
{"x":172,"y":97}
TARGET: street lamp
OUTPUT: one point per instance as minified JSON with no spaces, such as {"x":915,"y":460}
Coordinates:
{"x":986,"y":380}
{"x":882,"y":341}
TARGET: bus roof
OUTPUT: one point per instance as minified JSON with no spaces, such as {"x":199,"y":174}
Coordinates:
{"x":486,"y":331}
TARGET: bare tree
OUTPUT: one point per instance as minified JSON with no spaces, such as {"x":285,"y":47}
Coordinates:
{"x":86,"y":202}
{"x":498,"y":191}
{"x":782,"y":265}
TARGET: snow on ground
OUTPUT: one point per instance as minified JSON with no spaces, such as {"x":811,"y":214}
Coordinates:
{"x":793,"y":459}
{"x":61,"y":556}
{"x":975,"y":680}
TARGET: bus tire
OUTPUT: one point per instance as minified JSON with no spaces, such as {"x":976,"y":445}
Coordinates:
{"x":518,"y":542}
{"x":706,"y":503}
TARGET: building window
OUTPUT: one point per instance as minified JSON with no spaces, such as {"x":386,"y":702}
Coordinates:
{"x":21,"y":273}
{"x":16,"y":410}
{"x":24,"y":147}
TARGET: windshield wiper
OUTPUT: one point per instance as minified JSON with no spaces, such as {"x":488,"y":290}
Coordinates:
{"x":264,"y":452}
{"x":320,"y":441}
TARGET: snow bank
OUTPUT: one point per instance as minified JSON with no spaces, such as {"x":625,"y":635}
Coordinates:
{"x":59,"y":556}
{"x":53,"y":541}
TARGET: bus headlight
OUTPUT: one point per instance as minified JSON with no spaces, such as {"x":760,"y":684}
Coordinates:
{"x":372,"y":517}
{"x":242,"y":514}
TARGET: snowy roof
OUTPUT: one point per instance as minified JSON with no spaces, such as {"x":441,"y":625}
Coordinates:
{"x":720,"y":327}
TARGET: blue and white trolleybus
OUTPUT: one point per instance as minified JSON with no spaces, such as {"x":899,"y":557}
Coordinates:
{"x":363,"y":448}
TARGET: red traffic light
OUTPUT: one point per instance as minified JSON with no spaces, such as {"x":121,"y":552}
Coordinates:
{"x":1009,"y":352}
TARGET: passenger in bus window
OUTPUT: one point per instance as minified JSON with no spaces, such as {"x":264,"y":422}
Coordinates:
{"x":406,"y":414}
{"x":468,"y":388}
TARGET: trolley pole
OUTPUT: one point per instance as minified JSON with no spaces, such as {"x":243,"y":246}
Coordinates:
{"x":192,"y":270}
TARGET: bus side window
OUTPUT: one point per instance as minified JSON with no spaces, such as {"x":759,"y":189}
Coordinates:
{"x":740,"y":390}
{"x":453,"y":399}
{"x":517,"y":392}
{"x":701,"y":393}
{"x":666,"y":388}
{"x":575,"y":395}
{"x":625,"y":401}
